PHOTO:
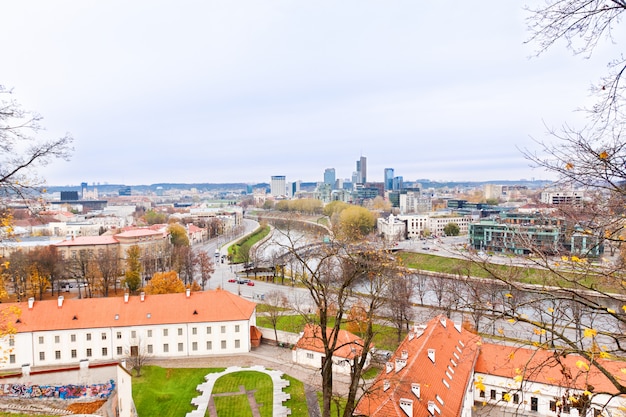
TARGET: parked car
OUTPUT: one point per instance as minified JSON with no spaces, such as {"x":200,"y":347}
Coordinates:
{"x":232,"y":280}
{"x":250,"y":283}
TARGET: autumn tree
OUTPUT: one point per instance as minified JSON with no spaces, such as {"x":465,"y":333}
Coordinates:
{"x":354,"y":223}
{"x":178,"y":235}
{"x":165,"y":283}
{"x":132,"y":275}
{"x":108,"y":264}
{"x":331,"y":273}
{"x":205,"y":267}
{"x":155,"y":217}
{"x":452,"y":229}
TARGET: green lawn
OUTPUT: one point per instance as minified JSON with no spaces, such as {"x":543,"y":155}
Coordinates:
{"x":239,"y":251}
{"x":385,"y":337}
{"x":169,"y":391}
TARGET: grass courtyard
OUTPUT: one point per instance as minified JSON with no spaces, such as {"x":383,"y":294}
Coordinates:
{"x":168,"y":392}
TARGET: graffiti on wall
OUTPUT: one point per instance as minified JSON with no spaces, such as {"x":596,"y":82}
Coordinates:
{"x":62,"y":392}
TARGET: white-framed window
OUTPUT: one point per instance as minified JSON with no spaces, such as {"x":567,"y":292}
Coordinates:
{"x":180,"y":347}
{"x":104,"y":336}
{"x":150,"y":349}
{"x":133,"y":334}
{"x":223,"y":329}
{"x":11,"y":340}
{"x":194,"y":330}
{"x":165,"y":332}
{"x":57,"y":354}
{"x":236,"y":328}
{"x":223,"y":344}
{"x":11,"y":358}
{"x":73,"y":353}
{"x":208,"y":330}
{"x":166,"y":348}
{"x":119,"y":350}
{"x":89,"y":352}
{"x":57,"y":339}
{"x":41,"y":340}
{"x":209,"y":345}
{"x":149,"y":333}
{"x":194,"y":346}
{"x":237,"y":343}
{"x":72,"y":338}
{"x":88,"y":336}
{"x":118,"y":335}
{"x":42,"y":356}
{"x":105,"y":351}
{"x":180,"y":331}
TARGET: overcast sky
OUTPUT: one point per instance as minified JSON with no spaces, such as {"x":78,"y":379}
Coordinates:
{"x":237,"y":91}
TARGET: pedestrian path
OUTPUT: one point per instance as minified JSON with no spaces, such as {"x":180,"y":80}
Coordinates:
{"x":205,"y":402}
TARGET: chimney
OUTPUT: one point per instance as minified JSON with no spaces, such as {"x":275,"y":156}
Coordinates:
{"x":386,"y":385}
{"x":404,"y":354}
{"x":31,"y":303}
{"x":142,"y":296}
{"x":60,"y":301}
{"x":407,"y":406}
{"x":188,"y":292}
{"x":126,"y":295}
{"x":431,"y":355}
{"x":443,"y":321}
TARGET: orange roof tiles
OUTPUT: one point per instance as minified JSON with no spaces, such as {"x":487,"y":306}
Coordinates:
{"x":312,"y":340}
{"x":544,"y":366}
{"x":436,"y":362}
{"x":205,"y":306}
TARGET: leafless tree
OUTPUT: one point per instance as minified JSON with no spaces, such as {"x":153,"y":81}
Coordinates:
{"x":205,"y":266}
{"x":137,"y":355}
{"x":108,"y":262}
{"x":277,"y":304}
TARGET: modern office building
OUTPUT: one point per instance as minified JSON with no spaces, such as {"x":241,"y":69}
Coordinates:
{"x":278,"y":186}
{"x":388,"y":179}
{"x":329,"y":177}
{"x":361,"y":170}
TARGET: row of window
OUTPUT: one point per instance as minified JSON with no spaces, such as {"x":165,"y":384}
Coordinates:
{"x":505,"y":396}
{"x":134,"y":350}
{"x":133,"y":334}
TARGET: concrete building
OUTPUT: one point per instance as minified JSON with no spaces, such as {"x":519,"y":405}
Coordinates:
{"x":64,"y":332}
{"x":278,"y":186}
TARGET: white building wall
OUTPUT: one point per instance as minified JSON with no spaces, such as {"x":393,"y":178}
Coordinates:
{"x":313,"y":359}
{"x":167,"y":341}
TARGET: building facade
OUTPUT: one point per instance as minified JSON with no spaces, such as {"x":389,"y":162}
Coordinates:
{"x":64,"y":332}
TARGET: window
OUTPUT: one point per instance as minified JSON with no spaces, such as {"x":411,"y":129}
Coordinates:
{"x":194,"y":346}
{"x":73,"y":353}
{"x":180,"y":331}
{"x":534,"y":404}
{"x":516,"y":398}
{"x":118,"y":335}
{"x":105,"y":351}
{"x":57,"y":354}
{"x":88,"y":336}
{"x":41,"y":340}
{"x":149,"y":333}
{"x":150,"y":349}
{"x":42,"y":356}
{"x":223,"y":329}
{"x":209,"y":345}
{"x":11,"y":358}
{"x":133,"y":334}
{"x":57,"y":339}
{"x":164,"y":332}
{"x":237,"y":343}
{"x":180,"y":347}
{"x":166,"y":348}
{"x":481,"y":394}
{"x":104,"y":336}
{"x":492,"y":394}
{"x":309,"y":356}
{"x":236,"y":328}
{"x":118,"y":350}
{"x":89,"y":352}
{"x":134,"y":351}
{"x":72,"y":338}
{"x":194,"y":330}
{"x":11,"y":340}
{"x":208,"y":330}
{"x":223,"y":344}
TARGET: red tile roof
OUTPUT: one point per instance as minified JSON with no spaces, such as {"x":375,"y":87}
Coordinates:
{"x":312,"y":340}
{"x":88,"y":241}
{"x":544,"y":366}
{"x":205,"y":306}
{"x":428,"y":356}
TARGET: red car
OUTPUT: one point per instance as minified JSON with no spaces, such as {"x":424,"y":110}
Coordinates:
{"x":232,"y":280}
{"x":250,"y":283}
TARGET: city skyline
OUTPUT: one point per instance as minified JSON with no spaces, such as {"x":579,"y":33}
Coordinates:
{"x":211,"y":92}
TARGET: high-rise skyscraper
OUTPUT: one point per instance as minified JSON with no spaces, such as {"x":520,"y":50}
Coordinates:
{"x":388,"y":178}
{"x":278,"y":186}
{"x":329,"y":177}
{"x":361,"y":170}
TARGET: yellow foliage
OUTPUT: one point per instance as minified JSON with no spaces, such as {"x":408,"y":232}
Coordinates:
{"x":590,"y":333}
{"x":581,"y":364}
{"x":550,"y":310}
{"x":508,"y":295}
{"x":603,"y":155}
{"x":506,"y":397}
{"x":569,"y":166}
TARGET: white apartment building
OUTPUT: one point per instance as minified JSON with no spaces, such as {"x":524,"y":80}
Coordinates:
{"x":278,"y":186}
{"x":418,"y":224}
{"x":64,"y":332}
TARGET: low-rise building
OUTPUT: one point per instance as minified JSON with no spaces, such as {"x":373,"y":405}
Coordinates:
{"x":64,"y":332}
